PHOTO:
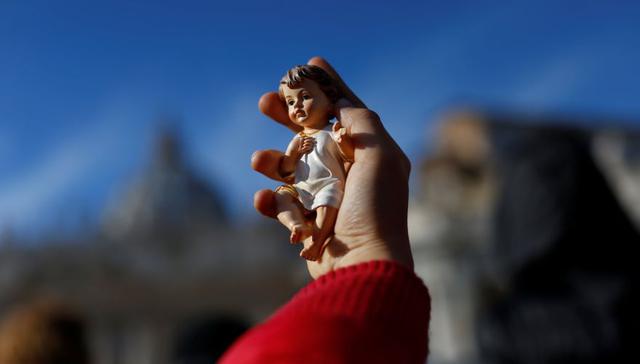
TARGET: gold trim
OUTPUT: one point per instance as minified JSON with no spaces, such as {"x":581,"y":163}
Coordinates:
{"x":303,"y":134}
{"x":288,"y":189}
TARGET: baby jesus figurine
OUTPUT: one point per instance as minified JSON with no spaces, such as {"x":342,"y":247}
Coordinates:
{"x":315,"y":162}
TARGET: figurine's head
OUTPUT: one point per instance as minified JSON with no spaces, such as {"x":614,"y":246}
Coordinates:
{"x":310,"y":94}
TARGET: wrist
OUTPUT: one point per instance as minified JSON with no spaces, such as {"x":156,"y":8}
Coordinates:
{"x":339,"y":254}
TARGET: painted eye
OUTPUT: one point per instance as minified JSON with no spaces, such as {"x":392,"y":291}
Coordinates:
{"x":290,"y":102}
{"x":306,"y":97}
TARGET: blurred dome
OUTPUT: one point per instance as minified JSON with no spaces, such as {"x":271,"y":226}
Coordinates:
{"x":166,"y":201}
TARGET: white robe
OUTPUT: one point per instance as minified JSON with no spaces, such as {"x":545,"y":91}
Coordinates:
{"x":319,"y":175}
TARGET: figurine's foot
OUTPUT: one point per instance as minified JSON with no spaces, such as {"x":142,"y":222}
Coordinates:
{"x":299,"y":233}
{"x":313,"y":251}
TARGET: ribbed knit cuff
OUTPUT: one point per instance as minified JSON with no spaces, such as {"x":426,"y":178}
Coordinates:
{"x":380,"y":289}
{"x":375,"y":312}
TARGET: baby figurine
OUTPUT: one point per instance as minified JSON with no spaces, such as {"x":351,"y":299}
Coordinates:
{"x":314,"y":161}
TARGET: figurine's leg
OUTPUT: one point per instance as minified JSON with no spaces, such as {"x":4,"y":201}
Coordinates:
{"x":325,"y":220}
{"x":290,"y":215}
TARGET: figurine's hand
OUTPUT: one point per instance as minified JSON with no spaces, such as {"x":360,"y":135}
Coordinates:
{"x":341,"y":136}
{"x":338,"y":131}
{"x":306,"y":145}
{"x":372,"y":220}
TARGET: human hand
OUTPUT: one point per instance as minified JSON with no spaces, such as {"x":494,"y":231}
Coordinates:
{"x":372,"y":220}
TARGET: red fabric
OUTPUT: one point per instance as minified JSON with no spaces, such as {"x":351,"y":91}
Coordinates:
{"x":375,"y":312}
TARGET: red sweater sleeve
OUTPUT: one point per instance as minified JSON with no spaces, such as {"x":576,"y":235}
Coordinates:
{"x":375,"y":312}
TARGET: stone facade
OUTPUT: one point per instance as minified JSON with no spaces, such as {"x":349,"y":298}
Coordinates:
{"x":164,"y":271}
{"x":517,"y":217}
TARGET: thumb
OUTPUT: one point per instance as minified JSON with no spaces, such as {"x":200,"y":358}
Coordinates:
{"x":343,"y":103}
{"x":339,"y":105}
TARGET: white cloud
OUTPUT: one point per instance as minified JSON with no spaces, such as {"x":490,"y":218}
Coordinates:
{"x":25,"y":195}
{"x":555,"y":80}
{"x":30,"y":195}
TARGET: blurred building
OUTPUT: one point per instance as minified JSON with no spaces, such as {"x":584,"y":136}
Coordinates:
{"x":523,"y":229}
{"x":165,"y":278}
{"x":449,"y":226}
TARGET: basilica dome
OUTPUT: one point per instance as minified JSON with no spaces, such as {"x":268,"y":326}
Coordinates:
{"x":167,"y":200}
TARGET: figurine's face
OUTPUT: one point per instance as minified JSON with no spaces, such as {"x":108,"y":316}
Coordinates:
{"x":308,"y":106}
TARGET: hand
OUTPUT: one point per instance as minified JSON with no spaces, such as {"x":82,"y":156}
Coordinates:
{"x":372,"y":220}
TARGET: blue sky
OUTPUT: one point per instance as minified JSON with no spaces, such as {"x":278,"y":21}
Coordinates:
{"x":83,"y":83}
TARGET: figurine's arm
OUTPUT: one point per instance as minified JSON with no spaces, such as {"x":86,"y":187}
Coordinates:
{"x":344,"y":142}
{"x":298,"y":147}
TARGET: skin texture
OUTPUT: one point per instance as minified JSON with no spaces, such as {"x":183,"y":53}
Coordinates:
{"x":372,"y":220}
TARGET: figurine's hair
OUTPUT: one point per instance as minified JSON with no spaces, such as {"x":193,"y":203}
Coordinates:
{"x":297,"y":74}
